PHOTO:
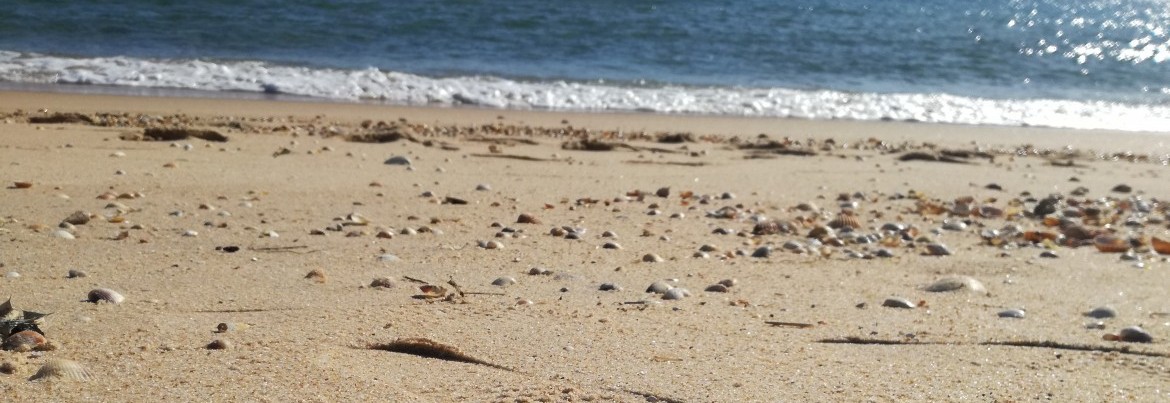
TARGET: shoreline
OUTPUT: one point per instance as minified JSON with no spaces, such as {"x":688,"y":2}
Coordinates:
{"x":287,"y":265}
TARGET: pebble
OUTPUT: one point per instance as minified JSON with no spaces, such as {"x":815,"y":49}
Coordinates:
{"x":955,"y":283}
{"x":884,"y":253}
{"x":1122,"y":188}
{"x":1049,"y":254}
{"x":398,"y":160}
{"x":716,"y":288}
{"x":651,"y":258}
{"x":675,"y":294}
{"x":609,"y":287}
{"x":659,"y":287}
{"x":382,"y":282}
{"x":937,"y":249}
{"x":78,"y":218}
{"x":219,"y":344}
{"x":504,"y":281}
{"x":1134,"y":334}
{"x":105,"y":295}
{"x":1012,"y":313}
{"x":1102,"y":312}
{"x":708,"y":248}
{"x":897,"y":302}
{"x":763,"y":251}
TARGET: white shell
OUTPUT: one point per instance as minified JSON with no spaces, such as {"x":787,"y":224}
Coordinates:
{"x":896,"y":302}
{"x":504,"y":281}
{"x":1012,"y":313}
{"x":62,"y":369}
{"x":676,"y":293}
{"x":659,"y":287}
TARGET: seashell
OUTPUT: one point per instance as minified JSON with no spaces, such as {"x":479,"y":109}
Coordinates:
{"x":74,"y":273}
{"x":954,"y":225}
{"x":504,"y":281}
{"x":793,"y":246}
{"x":659,"y":287}
{"x":1102,"y":312}
{"x":821,"y":232}
{"x":1134,"y":334}
{"x":845,"y":221}
{"x":716,"y":288}
{"x":651,"y":258}
{"x":557,"y":231}
{"x":219,"y":344}
{"x":23,"y":341}
{"x":990,"y":212}
{"x":897,"y":302}
{"x":762,"y":252}
{"x":527,"y":219}
{"x":770,"y":228}
{"x":61,"y":369}
{"x":937,"y":249}
{"x":955,"y":283}
{"x":62,"y":234}
{"x":708,"y":248}
{"x":491,"y":245}
{"x":1160,"y":246}
{"x":483,"y":187}
{"x":269,"y":234}
{"x":730,"y":282}
{"x":572,"y":236}
{"x":78,"y":218}
{"x":1012,"y":313}
{"x":611,"y":245}
{"x":676,"y":294}
{"x":609,"y":287}
{"x":609,"y":234}
{"x":884,"y":253}
{"x":1122,"y":188}
{"x":1111,"y":244}
{"x":382,"y":282}
{"x":701,"y":255}
{"x":317,"y":275}
{"x":21,"y":185}
{"x":105,"y":295}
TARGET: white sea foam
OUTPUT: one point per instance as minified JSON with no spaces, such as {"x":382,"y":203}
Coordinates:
{"x":409,"y":89}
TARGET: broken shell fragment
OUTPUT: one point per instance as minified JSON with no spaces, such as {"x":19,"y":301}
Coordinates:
{"x":1111,"y":244}
{"x":676,"y":294}
{"x":382,"y":282}
{"x":105,"y":295}
{"x":504,"y":281}
{"x":659,"y":287}
{"x":937,"y":249}
{"x":317,"y":275}
{"x":1012,"y":313}
{"x":651,"y":258}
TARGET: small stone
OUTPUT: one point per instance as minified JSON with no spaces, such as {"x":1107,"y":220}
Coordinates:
{"x":1049,"y":254}
{"x":219,"y":344}
{"x":1011,"y":313}
{"x":1134,"y":334}
{"x":382,"y":282}
{"x":663,"y":192}
{"x":762,"y":252}
{"x":384,"y":234}
{"x":527,"y":219}
{"x":676,"y":294}
{"x":398,"y":160}
{"x":659,"y":287}
{"x":74,"y":273}
{"x":716,"y":288}
{"x":937,"y":249}
{"x":708,"y":248}
{"x":504,"y":281}
{"x":955,"y":283}
{"x":1122,"y":188}
{"x":896,"y":302}
{"x":609,"y":287}
{"x":651,"y":258}
{"x":1102,"y":312}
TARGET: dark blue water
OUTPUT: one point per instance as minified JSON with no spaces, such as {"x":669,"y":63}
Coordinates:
{"x":1113,"y":52}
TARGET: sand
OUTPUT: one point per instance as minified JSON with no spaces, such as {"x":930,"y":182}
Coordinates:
{"x":556,"y":337}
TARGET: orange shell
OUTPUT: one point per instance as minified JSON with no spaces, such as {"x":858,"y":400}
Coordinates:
{"x":1040,"y":236}
{"x":24,"y":341}
{"x":1160,"y":246}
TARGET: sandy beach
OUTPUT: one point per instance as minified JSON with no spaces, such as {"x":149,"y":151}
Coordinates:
{"x":279,"y":232}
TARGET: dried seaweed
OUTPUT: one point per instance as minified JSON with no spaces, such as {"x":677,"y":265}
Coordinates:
{"x":385,"y":136}
{"x":675,"y":163}
{"x":931,"y":157}
{"x":428,"y":348}
{"x":502,"y":141}
{"x":1020,"y":343}
{"x":512,"y":156}
{"x":595,"y":145}
{"x":173,"y":134}
{"x":62,"y":118}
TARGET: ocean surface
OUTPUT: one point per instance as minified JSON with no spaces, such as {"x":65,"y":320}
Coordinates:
{"x":1059,"y":63}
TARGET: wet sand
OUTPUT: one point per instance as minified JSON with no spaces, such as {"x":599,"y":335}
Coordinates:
{"x":288,"y":170}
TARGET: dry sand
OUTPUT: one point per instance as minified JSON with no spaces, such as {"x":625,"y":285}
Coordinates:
{"x":297,"y":339}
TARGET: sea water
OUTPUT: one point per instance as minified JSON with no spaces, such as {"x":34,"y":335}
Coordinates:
{"x":1059,"y":63}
